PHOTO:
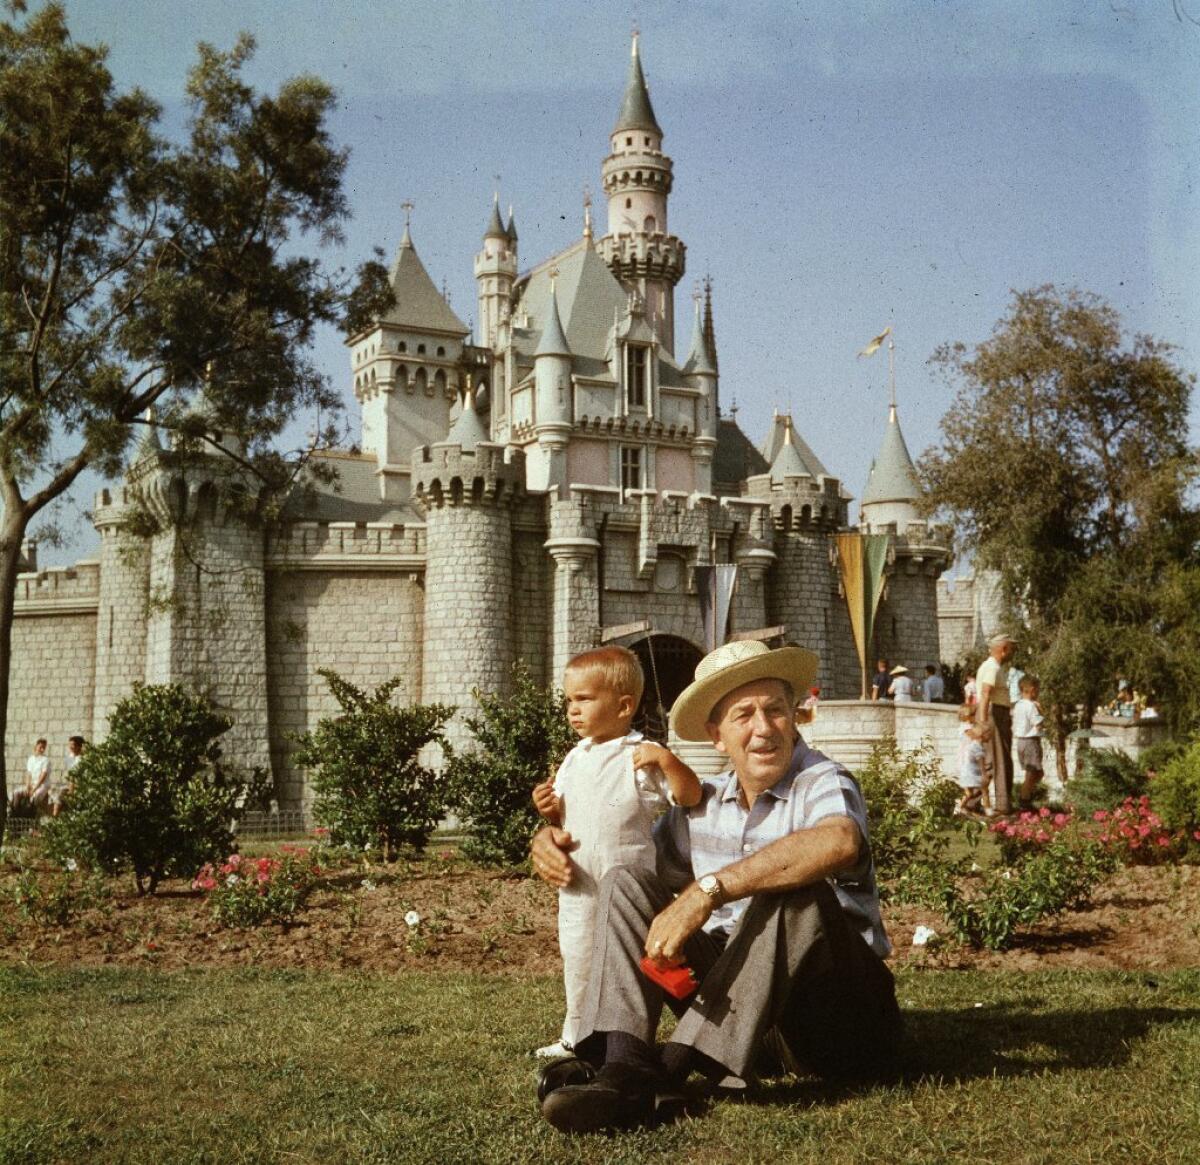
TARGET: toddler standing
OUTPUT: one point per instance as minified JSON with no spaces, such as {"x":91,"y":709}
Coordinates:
{"x":1027,"y":732}
{"x":973,"y":764}
{"x":606,"y":795}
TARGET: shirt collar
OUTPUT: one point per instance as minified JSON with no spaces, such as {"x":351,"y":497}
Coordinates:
{"x":634,"y":737}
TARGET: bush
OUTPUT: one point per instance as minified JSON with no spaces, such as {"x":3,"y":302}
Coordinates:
{"x":1175,"y":792}
{"x":55,"y":901}
{"x":153,"y":795}
{"x":522,"y":739}
{"x":1109,"y":776}
{"x":371,"y":790}
{"x":250,"y":891}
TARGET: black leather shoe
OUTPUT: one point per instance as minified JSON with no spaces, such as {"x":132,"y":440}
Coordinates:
{"x":562,"y":1073}
{"x":620,"y":1097}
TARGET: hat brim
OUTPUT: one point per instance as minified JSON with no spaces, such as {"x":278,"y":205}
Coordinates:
{"x":690,"y":712}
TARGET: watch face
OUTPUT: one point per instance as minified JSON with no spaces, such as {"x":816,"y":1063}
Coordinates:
{"x":710,"y":885}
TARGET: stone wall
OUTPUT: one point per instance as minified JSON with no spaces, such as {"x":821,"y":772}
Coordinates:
{"x":53,"y":664}
{"x":365,"y":626}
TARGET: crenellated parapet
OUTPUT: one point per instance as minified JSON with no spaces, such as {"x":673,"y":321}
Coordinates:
{"x":347,"y":546}
{"x":59,"y":590}
{"x":176,"y":490}
{"x":451,"y":475}
{"x":641,"y":256}
{"x":801,"y":502}
{"x":918,"y":547}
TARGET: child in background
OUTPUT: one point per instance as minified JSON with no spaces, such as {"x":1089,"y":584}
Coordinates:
{"x":1027,"y":732}
{"x":606,"y":795}
{"x":973,"y":764}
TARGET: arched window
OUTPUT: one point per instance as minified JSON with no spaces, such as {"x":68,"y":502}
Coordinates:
{"x":403,"y":347}
{"x":628,"y":203}
{"x":439,"y":382}
{"x":420,"y":349}
{"x":419,"y":381}
{"x":441,"y":351}
{"x":401,"y":376}
{"x":650,"y":225}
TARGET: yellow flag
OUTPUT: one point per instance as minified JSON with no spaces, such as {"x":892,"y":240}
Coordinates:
{"x":876,"y":343}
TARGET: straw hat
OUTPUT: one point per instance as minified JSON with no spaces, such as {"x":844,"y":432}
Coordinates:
{"x":729,"y":667}
{"x":1003,"y":637}
{"x":899,"y":670}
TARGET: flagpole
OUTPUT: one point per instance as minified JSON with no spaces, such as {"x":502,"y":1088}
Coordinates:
{"x":892,"y":373}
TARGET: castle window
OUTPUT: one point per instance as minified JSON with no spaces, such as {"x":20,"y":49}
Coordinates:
{"x":403,"y":347}
{"x":420,"y":349}
{"x":441,"y":351}
{"x":401,"y":376}
{"x":439,"y":382}
{"x":635,"y":376}
{"x":419,"y":381}
{"x":629,"y":141}
{"x":631,"y":467}
{"x":647,"y":141}
{"x":650,"y":225}
{"x":628,"y":203}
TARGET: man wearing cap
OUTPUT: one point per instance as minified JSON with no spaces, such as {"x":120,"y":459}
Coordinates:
{"x":765,"y":889}
{"x":995,"y":708}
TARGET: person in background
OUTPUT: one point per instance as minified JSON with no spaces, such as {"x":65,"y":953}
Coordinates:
{"x":1027,"y":732}
{"x":995,"y":708}
{"x":902,"y":686}
{"x":880,"y":681}
{"x":934,"y":688}
{"x":974,"y":765}
{"x":73,"y":756}
{"x":37,"y":776}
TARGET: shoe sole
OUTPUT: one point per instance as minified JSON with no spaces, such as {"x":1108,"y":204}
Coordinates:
{"x":582,"y":1109}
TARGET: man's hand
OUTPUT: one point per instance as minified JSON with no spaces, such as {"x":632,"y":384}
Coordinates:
{"x":671,"y":929}
{"x":546,"y":802}
{"x":549,"y":856}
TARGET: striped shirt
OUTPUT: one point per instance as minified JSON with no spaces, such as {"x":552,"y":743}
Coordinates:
{"x":719,"y":831}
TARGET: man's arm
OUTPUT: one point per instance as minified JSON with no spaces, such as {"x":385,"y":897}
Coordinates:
{"x":984,"y":707}
{"x":802,"y":858}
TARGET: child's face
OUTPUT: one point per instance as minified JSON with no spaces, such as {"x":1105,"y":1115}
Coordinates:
{"x":594,"y":709}
{"x":1031,"y":692}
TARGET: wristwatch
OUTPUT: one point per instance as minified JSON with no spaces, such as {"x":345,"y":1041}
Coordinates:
{"x":711,"y":885}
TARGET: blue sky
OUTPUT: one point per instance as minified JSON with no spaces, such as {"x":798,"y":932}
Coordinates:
{"x":838,"y":166}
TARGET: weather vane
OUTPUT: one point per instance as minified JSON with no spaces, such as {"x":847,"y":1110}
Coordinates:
{"x":408,"y":206}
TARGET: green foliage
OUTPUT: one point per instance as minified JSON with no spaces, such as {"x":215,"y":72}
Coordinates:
{"x":57,"y":900}
{"x":1095,"y":536}
{"x":989,"y":909}
{"x":152,"y":796}
{"x":370,"y":789}
{"x":1109,"y":776}
{"x":250,"y":891}
{"x":906,"y":799}
{"x":522,"y":739}
{"x":1175,"y":792}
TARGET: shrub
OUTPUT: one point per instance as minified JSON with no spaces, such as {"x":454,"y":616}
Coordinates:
{"x":1175,"y":792}
{"x":250,"y":891}
{"x":1060,"y":876}
{"x":522,"y":739}
{"x":56,"y":901}
{"x":152,"y":796}
{"x":369,"y":785}
{"x":1131,"y":833}
{"x":1109,"y":776}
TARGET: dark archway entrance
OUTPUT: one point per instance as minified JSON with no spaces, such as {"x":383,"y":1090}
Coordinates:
{"x":670,"y":665}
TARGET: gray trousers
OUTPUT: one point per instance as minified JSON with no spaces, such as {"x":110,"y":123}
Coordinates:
{"x":794,"y":963}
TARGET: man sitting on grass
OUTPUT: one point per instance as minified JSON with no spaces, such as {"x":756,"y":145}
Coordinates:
{"x":776,"y":914}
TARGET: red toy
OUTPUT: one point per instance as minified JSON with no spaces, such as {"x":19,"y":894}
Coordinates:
{"x":677,"y":981}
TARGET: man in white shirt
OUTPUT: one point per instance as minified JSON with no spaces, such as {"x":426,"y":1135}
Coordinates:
{"x":37,"y":775}
{"x":934,"y":688}
{"x":995,"y":708}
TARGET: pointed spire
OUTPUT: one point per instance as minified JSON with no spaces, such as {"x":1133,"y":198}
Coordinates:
{"x":587,"y":212}
{"x":495,"y":227}
{"x":468,"y":430}
{"x":636,"y":111}
{"x":710,"y":337}
{"x":893,"y":477}
{"x":150,"y":444}
{"x":511,"y":229}
{"x":554,"y":340}
{"x":788,"y":462}
{"x":698,"y":361}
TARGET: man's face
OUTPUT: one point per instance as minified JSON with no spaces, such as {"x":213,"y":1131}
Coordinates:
{"x":1004,"y":651}
{"x":881,"y":665}
{"x":755,"y":728}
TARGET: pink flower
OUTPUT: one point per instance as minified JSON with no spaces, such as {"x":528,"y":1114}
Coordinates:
{"x":1043,"y":812}
{"x":1100,"y":815}
{"x":1143,"y":831}
{"x":1196,"y":835}
{"x":1164,"y":841}
{"x":235,"y":860}
{"x":263,"y":876}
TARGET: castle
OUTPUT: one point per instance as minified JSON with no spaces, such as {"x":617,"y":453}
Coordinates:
{"x":559,"y":480}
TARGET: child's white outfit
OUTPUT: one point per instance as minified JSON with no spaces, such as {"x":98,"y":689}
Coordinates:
{"x":608,"y":808}
{"x":971,"y":755}
{"x":1027,"y":732}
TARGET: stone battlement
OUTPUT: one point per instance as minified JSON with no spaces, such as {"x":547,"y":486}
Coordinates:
{"x":59,"y":589}
{"x":449,"y":474}
{"x":801,"y":502}
{"x":347,"y":545}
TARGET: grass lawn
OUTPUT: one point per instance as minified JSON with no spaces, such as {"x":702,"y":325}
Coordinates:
{"x":231,"y":1066}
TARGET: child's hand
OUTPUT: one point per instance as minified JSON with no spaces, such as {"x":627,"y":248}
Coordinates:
{"x":648,"y":753}
{"x":545,"y":801}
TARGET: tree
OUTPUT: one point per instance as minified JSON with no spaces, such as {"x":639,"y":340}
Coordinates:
{"x":369,"y":785}
{"x":522,"y":739}
{"x":132,"y":267}
{"x":1065,"y":464}
{"x":152,"y":795}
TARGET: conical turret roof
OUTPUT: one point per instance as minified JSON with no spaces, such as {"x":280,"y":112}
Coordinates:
{"x":495,"y":227}
{"x":419,"y":304}
{"x":698,"y":359}
{"x":468,"y":430}
{"x":553,"y":341}
{"x":788,"y":461}
{"x":511,"y":230}
{"x":636,"y":110}
{"x":893,"y":477}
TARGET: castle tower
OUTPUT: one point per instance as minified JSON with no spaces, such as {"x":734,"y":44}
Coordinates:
{"x":407,"y":370}
{"x":906,"y":624}
{"x":124,"y":591}
{"x":495,"y":272}
{"x":465,"y":491}
{"x":702,"y":376}
{"x":552,"y":378}
{"x":206,"y":619}
{"x":637,"y":180}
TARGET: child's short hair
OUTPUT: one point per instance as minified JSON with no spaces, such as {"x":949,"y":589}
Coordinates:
{"x":966,"y":712}
{"x":617,"y":667}
{"x":1027,"y":683}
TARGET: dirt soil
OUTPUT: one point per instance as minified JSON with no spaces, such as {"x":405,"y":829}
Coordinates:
{"x":493,"y":922}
